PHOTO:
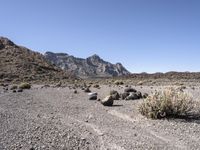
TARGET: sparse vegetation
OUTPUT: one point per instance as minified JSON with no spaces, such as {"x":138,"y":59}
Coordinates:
{"x":13,"y":87}
{"x":168,"y":103}
{"x":118,"y":82}
{"x":96,"y":86}
{"x":25,"y":85}
{"x":140,"y":83}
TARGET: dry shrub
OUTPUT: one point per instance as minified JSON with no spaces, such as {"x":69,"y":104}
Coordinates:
{"x":168,"y":103}
{"x":140,"y":83}
{"x":25,"y":85}
{"x":118,"y":82}
{"x":13,"y":87}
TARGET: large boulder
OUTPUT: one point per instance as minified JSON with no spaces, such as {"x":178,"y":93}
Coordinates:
{"x":124,"y":95}
{"x":132,"y":96}
{"x":139,"y":94}
{"x":129,"y":89}
{"x":115,"y":95}
{"x":108,"y":101}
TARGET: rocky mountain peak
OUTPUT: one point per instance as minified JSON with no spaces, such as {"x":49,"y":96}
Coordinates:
{"x":4,"y":42}
{"x":119,"y":64}
{"x":94,"y":57}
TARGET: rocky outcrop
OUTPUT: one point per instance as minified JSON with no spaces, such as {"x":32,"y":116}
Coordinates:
{"x":92,"y":66}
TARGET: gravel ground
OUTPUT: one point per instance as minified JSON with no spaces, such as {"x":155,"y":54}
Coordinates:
{"x":57,"y":119}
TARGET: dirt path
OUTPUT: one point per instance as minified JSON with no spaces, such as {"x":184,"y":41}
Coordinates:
{"x":56,"y":118}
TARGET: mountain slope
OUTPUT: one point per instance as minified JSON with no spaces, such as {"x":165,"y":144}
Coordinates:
{"x":92,"y":66}
{"x":18,"y":63}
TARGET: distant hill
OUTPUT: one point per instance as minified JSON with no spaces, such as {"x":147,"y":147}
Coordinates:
{"x":168,"y":75}
{"x":18,"y":63}
{"x":92,"y":66}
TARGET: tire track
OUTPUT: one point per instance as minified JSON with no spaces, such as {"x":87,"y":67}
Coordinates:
{"x":172,"y":141}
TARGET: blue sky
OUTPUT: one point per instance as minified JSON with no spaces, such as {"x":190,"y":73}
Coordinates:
{"x":144,"y":35}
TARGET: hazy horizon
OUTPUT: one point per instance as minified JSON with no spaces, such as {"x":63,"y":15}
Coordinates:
{"x":145,"y":36}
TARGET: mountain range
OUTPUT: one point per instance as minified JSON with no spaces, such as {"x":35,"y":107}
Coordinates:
{"x":18,"y":63}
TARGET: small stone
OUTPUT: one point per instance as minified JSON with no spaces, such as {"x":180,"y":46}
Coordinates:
{"x":20,"y":90}
{"x":145,"y":95}
{"x":96,"y":86}
{"x":87,"y":142}
{"x":6,"y":88}
{"x":101,"y":134}
{"x":87,"y":90}
{"x":75,"y":92}
{"x":32,"y":148}
{"x":93,"y":97}
{"x":45,"y":86}
{"x":83,"y":139}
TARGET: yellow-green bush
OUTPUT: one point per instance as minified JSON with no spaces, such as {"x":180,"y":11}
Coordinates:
{"x":25,"y":85}
{"x":168,"y":103}
{"x":118,"y":82}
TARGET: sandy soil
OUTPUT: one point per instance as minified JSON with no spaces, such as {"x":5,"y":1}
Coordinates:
{"x":56,"y":118}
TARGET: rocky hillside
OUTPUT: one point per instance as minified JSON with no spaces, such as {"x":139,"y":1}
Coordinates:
{"x":92,"y":66}
{"x":18,"y":63}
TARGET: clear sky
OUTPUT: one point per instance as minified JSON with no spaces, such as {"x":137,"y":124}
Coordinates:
{"x":144,"y":35}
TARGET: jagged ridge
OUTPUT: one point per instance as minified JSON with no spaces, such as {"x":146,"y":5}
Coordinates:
{"x":92,"y":66}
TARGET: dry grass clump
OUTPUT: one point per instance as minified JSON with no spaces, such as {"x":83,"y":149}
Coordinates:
{"x":140,"y":83}
{"x":13,"y":87}
{"x":24,"y":86}
{"x":168,"y":103}
{"x":118,"y":82}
